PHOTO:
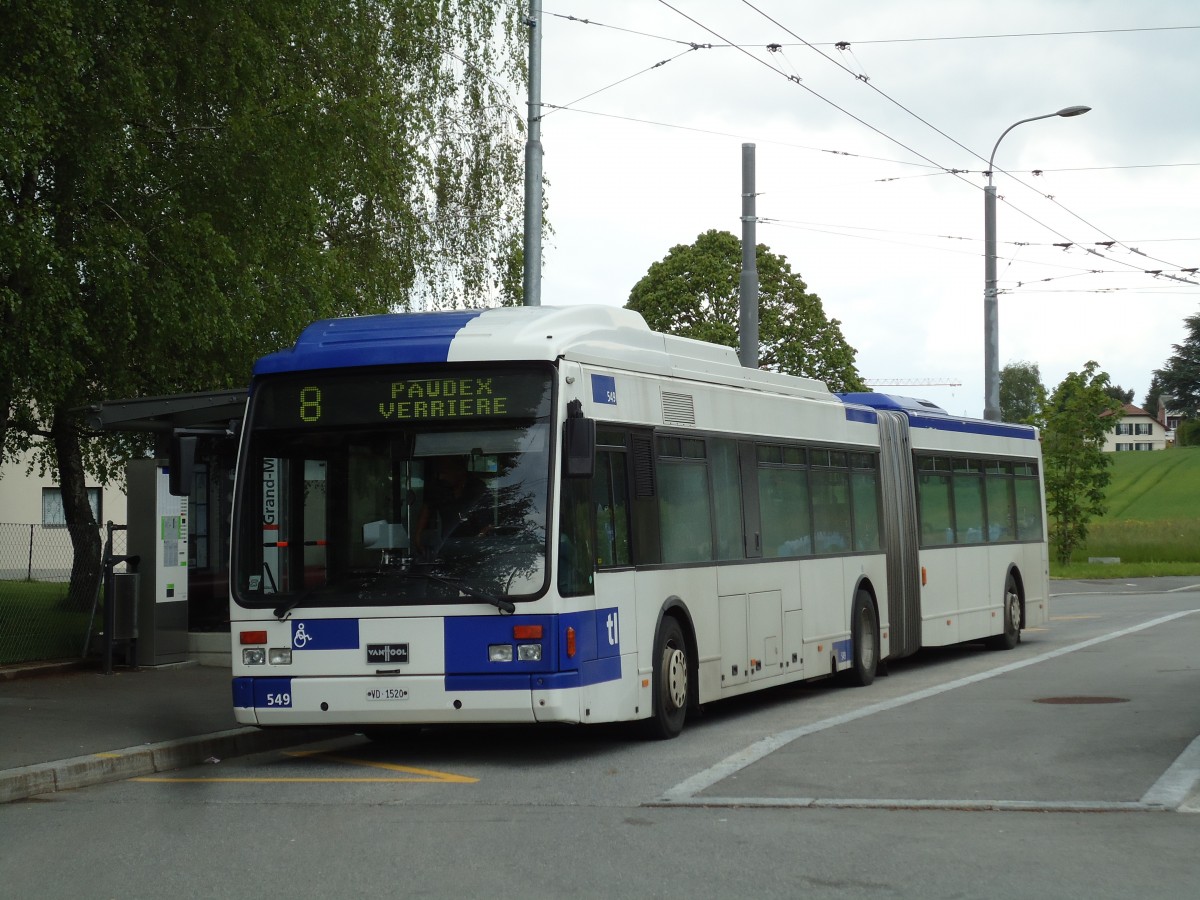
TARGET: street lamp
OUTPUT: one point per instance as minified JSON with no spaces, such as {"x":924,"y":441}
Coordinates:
{"x":991,"y":340}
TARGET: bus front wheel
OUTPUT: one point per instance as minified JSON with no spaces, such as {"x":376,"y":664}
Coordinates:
{"x":670,"y":682}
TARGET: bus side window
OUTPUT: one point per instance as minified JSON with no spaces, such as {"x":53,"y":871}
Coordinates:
{"x":685,"y":513}
{"x":609,"y":494}
{"x":576,"y":554}
{"x":933,"y":497}
{"x":726,"y":489}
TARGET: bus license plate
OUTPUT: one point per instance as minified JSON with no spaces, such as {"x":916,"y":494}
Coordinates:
{"x":387,"y":693}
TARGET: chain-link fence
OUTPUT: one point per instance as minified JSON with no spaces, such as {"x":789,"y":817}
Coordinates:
{"x":51,"y":590}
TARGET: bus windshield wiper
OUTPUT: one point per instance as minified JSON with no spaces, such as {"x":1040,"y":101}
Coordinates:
{"x":281,"y":612}
{"x":499,"y":602}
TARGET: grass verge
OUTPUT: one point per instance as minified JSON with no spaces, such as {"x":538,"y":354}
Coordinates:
{"x":33,"y":624}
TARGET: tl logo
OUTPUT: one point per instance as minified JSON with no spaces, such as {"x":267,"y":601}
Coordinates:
{"x":614,"y":634}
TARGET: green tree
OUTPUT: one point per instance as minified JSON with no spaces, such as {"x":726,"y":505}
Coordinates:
{"x":1078,"y":415}
{"x":1119,"y":393}
{"x":1180,"y":377}
{"x":1150,"y":404}
{"x":1022,"y":394}
{"x":693,"y":292}
{"x":1188,"y":433}
{"x":185,"y":185}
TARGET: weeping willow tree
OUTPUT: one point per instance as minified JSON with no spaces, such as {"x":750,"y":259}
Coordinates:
{"x":187,"y":184}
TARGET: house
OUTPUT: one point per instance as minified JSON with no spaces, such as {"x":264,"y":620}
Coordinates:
{"x":28,"y":498}
{"x":1137,"y":430}
{"x":34,"y":541}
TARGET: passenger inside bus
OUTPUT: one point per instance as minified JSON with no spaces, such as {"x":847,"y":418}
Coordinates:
{"x":454,"y":505}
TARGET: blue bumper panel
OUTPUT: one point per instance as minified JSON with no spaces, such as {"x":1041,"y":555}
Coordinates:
{"x":597,"y":652}
{"x":262,"y":693}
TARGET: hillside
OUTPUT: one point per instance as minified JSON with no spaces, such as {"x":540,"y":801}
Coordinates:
{"x":1149,"y":487}
{"x":1153,"y":513}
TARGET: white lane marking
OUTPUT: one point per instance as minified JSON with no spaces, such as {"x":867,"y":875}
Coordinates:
{"x":1110,"y":593}
{"x":1172,"y":789}
{"x":701,"y":781}
{"x":948,"y":805}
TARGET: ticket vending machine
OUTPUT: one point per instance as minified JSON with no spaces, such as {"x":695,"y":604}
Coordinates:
{"x":158,"y":533}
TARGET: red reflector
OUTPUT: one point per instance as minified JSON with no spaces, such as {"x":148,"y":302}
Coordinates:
{"x":570,"y":642}
{"x":254,"y":637}
{"x":527,"y":632}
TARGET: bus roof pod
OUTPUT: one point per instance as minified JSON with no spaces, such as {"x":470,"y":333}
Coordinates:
{"x":593,"y":334}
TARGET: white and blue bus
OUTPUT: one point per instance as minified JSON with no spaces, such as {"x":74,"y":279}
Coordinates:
{"x":546,"y":514}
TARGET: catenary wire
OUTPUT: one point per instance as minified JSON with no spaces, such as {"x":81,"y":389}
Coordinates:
{"x":925,"y":122}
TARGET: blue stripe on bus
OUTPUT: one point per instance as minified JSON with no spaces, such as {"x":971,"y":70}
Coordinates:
{"x":854,"y":414}
{"x":922,"y":414}
{"x":974,"y":426}
{"x":369,"y":341}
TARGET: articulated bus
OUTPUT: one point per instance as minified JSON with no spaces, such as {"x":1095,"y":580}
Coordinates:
{"x":546,"y":514}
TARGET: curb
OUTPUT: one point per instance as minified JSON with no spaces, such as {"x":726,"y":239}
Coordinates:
{"x":38,"y":669}
{"x":147,"y":759}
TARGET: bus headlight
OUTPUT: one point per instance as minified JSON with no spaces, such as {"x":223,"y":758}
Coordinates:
{"x":254,"y":656}
{"x":280,"y":656}
{"x":500,"y":653}
{"x":529,"y":652}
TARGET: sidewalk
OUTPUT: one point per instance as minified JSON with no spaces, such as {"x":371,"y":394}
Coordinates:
{"x":64,"y":727}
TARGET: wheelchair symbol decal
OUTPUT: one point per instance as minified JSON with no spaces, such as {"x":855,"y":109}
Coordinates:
{"x":301,"y":638}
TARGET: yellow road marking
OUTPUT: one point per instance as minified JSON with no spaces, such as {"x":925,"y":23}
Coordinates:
{"x":163,"y":780}
{"x":412,"y":774}
{"x":428,"y":774}
{"x":108,"y":755}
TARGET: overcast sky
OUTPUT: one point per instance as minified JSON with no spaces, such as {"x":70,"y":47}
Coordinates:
{"x":853,"y":147}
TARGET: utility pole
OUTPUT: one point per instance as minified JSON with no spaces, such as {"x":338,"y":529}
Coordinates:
{"x":532,"y":286}
{"x":748,"y":284}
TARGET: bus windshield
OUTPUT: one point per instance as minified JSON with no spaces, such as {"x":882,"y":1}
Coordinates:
{"x":379,"y":488}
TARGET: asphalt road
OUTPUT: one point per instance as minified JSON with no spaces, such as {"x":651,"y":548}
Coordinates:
{"x":1065,"y":768}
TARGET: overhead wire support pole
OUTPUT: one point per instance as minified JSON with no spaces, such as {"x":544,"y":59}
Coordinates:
{"x":748,"y":283}
{"x":532,"y":284}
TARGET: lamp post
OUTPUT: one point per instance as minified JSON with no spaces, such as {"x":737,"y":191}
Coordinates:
{"x":991,"y":339}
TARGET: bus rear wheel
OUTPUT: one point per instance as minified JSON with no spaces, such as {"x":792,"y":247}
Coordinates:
{"x":670,"y":684}
{"x":864,"y":633}
{"x":1011,"y":636}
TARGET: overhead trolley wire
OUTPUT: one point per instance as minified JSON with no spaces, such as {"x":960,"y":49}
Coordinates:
{"x":843,"y":46}
{"x":910,"y":40}
{"x":925,"y":122}
{"x":657,"y":65}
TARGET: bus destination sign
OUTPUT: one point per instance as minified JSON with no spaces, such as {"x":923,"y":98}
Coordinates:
{"x":375,"y":396}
